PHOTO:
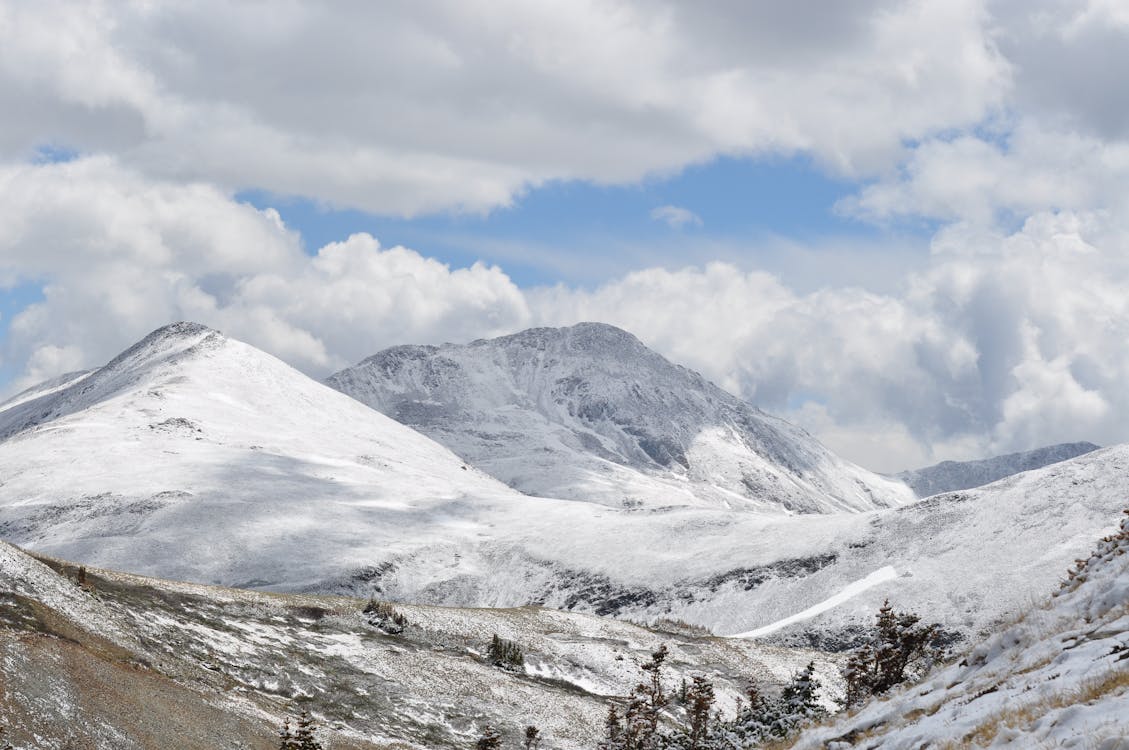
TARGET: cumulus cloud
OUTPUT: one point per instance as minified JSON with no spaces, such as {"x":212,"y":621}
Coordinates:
{"x":118,"y":255}
{"x":416,"y":107}
{"x":676,"y":217}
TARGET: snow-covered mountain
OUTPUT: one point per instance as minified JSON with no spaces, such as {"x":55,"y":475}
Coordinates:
{"x":949,"y":476}
{"x":196,"y":457}
{"x":590,"y":413}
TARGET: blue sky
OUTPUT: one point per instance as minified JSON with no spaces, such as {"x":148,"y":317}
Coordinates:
{"x":750,"y":211}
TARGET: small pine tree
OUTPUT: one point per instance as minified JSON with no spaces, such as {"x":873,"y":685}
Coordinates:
{"x":489,"y":739}
{"x":505,"y":654}
{"x":656,"y":698}
{"x":286,"y":737}
{"x":800,"y":698}
{"x":532,"y":739}
{"x":385,"y":616}
{"x":304,"y":735}
{"x":613,"y":730}
{"x":700,"y":700}
{"x":899,"y":649}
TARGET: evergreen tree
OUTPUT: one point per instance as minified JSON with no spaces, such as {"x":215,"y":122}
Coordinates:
{"x":505,"y":654}
{"x":800,"y":696}
{"x":286,"y":737}
{"x":700,"y":700}
{"x":899,"y":649}
{"x":384,"y":616}
{"x":613,"y":730}
{"x":857,"y":676}
{"x":532,"y":739}
{"x":304,"y":736}
{"x":489,"y":739}
{"x":656,"y":698}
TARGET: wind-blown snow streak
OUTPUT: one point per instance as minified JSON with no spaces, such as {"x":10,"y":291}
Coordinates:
{"x":882,"y":574}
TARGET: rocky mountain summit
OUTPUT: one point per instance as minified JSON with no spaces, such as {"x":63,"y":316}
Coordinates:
{"x":590,"y":413}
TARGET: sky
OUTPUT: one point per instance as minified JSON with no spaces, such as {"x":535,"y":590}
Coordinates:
{"x":901,"y":225}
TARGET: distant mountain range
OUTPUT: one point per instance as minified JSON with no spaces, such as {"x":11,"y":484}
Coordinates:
{"x":949,"y":476}
{"x":197,"y":457}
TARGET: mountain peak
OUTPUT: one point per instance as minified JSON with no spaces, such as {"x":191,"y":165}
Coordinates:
{"x":182,"y":329}
{"x":589,"y":412}
{"x":587,"y":331}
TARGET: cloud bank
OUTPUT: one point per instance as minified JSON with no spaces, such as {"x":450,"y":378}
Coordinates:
{"x":407,"y":108}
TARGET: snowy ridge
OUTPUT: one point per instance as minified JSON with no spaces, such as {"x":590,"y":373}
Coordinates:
{"x":950,"y":476}
{"x":590,"y":413}
{"x":1056,"y":677}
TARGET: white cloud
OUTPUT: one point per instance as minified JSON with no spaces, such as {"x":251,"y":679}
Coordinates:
{"x":409,"y":108}
{"x":676,"y":217}
{"x":119,"y":255}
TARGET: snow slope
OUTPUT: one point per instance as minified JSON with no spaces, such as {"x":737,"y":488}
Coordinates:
{"x":949,"y":476}
{"x":196,"y":457}
{"x":589,"y":413}
{"x":130,"y":662}
{"x":1056,"y":677}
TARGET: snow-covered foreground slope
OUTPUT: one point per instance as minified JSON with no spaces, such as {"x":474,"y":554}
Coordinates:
{"x":1057,"y":677}
{"x":589,"y":413}
{"x":949,"y":476}
{"x":196,"y":457}
{"x":128,"y":662}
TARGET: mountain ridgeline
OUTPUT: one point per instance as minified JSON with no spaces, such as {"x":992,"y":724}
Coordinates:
{"x":950,"y":476}
{"x":590,"y":413}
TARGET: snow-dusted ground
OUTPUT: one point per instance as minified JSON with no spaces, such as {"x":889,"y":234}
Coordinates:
{"x":196,"y":457}
{"x":589,"y":413}
{"x":1057,"y":677}
{"x":257,"y":656}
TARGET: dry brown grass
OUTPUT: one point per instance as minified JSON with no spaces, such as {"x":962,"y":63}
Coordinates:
{"x":1116,"y":680}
